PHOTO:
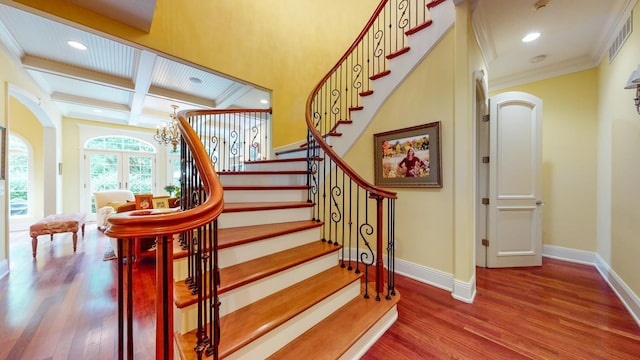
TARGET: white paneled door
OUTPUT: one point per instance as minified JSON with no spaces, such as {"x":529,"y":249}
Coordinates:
{"x":515,"y":181}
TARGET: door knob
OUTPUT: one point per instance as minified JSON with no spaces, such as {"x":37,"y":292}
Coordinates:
{"x":539,"y":202}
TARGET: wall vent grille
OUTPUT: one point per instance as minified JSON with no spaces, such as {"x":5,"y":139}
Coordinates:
{"x":624,"y":33}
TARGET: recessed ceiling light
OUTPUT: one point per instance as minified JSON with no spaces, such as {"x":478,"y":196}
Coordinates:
{"x":195,"y":80}
{"x":264,"y":101}
{"x":530,"y":37}
{"x":77,"y":45}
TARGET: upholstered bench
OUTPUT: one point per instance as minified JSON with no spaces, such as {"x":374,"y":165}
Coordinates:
{"x":57,"y":223}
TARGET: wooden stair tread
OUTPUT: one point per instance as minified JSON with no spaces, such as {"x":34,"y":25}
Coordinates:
{"x":266,"y":187}
{"x":268,"y":313}
{"x":362,"y":314}
{"x":228,"y":237}
{"x":235,"y":276}
{"x":257,"y":206}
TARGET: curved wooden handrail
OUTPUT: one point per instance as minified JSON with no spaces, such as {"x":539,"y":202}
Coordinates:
{"x":144,"y":223}
{"x":372,"y":189}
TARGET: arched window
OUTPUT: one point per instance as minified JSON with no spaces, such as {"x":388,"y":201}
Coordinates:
{"x":119,"y":143}
{"x":20,"y":160}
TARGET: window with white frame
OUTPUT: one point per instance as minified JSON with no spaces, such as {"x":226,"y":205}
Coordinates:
{"x":20,"y":160}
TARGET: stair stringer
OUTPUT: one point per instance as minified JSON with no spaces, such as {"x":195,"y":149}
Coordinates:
{"x":421,"y":44}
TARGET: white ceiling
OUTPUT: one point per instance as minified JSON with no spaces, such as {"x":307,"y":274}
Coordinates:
{"x":134,"y":86}
{"x":112,"y":81}
{"x":575,"y":36}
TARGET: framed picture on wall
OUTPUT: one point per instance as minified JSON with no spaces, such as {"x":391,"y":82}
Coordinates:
{"x":408,"y":157}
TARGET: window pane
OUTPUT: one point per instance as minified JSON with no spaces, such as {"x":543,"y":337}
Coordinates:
{"x":140,"y":175}
{"x":18,"y":176}
{"x":104,"y":174}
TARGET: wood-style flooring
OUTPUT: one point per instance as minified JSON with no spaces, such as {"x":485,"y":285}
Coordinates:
{"x":63,"y":306}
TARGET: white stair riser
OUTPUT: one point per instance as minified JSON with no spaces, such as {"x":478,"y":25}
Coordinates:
{"x":357,"y":350}
{"x":237,"y":254}
{"x":263,"y":179}
{"x":270,"y":195}
{"x":302,"y":152}
{"x":271,"y":342}
{"x":277,"y":166}
{"x":186,"y":319}
{"x":258,"y":217}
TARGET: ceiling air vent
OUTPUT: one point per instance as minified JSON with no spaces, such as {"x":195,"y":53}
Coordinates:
{"x":624,"y":33}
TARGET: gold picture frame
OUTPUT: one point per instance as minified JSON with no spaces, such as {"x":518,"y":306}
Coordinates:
{"x":408,"y":157}
{"x":161,"y":202}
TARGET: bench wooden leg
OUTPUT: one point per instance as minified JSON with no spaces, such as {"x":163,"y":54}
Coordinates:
{"x":34,"y":245}
{"x":75,"y":240}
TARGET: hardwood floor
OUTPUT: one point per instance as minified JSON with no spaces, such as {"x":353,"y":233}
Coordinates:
{"x":63,"y":306}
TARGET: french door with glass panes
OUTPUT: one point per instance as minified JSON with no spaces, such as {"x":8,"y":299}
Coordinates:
{"x":111,"y":170}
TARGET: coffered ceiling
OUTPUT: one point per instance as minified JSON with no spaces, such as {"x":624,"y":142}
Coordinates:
{"x":111,"y":81}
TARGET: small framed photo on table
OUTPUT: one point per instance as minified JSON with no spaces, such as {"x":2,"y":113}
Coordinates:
{"x":144,"y":201}
{"x":161,"y":202}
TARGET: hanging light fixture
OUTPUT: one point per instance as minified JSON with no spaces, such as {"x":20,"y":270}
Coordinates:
{"x":168,"y":133}
{"x":634,"y":83}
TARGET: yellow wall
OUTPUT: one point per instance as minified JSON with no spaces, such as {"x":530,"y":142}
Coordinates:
{"x":618,"y":170}
{"x":570,"y":119}
{"x":424,"y":224}
{"x":25,"y":124}
{"x":240,"y":38}
{"x":11,"y":76}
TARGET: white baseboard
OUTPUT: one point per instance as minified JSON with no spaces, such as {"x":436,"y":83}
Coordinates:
{"x":4,"y":268}
{"x":465,"y":291}
{"x":629,"y":299}
{"x":433,"y":277}
{"x":462,"y":291}
{"x":566,"y":254}
{"x":626,"y":295}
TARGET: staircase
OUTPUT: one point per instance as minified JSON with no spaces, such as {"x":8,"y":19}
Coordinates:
{"x":298,"y":260}
{"x":282,"y":289}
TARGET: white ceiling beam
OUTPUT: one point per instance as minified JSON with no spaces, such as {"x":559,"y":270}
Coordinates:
{"x":143,"y":78}
{"x":56,"y":68}
{"x":235,"y":92}
{"x":182,"y":97}
{"x":81,"y":100}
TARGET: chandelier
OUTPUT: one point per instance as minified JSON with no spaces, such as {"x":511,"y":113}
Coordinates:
{"x":168,"y":133}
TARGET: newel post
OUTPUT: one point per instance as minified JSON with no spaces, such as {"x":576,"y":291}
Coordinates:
{"x":164,"y":297}
{"x":379,"y":249}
